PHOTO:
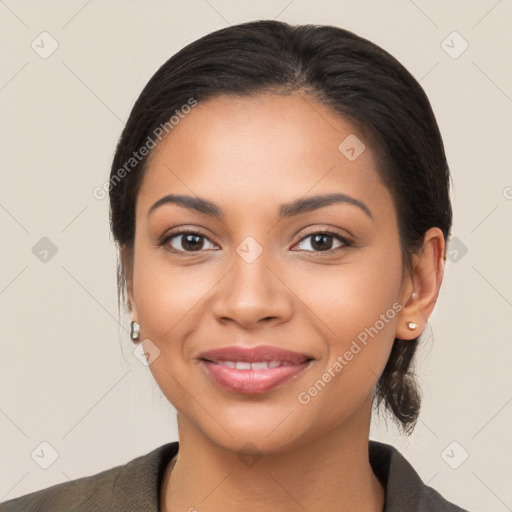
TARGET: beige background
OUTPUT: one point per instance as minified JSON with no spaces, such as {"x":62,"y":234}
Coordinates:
{"x":67,"y":372}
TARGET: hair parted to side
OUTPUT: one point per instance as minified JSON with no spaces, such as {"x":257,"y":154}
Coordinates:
{"x":354,"y":78}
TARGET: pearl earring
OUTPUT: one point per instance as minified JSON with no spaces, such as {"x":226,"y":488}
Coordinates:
{"x":134,"y":331}
{"x":412,"y":325}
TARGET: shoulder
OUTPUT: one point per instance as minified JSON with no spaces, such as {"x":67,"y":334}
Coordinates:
{"x":404,"y":488}
{"x":134,"y":486}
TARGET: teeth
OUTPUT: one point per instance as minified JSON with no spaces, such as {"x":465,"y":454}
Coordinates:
{"x":263,"y":365}
{"x":260,"y":365}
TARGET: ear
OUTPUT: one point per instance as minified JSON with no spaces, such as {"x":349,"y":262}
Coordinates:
{"x":127,"y":266}
{"x":421,"y":288}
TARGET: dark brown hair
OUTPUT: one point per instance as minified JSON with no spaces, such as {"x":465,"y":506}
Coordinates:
{"x":354,"y":78}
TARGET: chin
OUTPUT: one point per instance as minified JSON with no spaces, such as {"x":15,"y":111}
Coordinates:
{"x":265,"y":433}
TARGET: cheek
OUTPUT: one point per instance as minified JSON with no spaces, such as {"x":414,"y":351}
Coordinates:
{"x":353,"y":297}
{"x":360,"y":313}
{"x":167,"y":295}
{"x":358,"y":310}
{"x":170,"y":305}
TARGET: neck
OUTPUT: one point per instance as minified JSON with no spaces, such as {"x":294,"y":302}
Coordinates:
{"x":330,"y":473}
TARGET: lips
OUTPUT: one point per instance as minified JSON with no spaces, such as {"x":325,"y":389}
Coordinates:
{"x":263,"y":353}
{"x":254,"y":370}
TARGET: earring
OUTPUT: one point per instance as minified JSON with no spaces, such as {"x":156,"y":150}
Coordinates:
{"x":412,"y":325}
{"x":134,"y":331}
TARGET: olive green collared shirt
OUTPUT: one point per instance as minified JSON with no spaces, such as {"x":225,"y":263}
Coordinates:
{"x":135,"y":487}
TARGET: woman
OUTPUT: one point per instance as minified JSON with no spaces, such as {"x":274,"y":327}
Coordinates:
{"x":280,"y":201}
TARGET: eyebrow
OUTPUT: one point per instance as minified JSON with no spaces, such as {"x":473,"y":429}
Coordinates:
{"x":286,"y":210}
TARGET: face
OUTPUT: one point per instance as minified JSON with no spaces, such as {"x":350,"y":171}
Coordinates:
{"x":265,"y":266}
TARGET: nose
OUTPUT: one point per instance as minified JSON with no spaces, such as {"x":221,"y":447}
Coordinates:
{"x":252,"y":294}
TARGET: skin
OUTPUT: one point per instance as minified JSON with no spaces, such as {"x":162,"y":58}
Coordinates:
{"x":249,"y":156}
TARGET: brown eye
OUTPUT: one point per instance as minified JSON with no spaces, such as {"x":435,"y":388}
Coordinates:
{"x":187,"y":241}
{"x":323,"y":242}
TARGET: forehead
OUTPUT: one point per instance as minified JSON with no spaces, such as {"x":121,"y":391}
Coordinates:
{"x":262,"y":148}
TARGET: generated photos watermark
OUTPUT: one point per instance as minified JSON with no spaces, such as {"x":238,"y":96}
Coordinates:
{"x":305,"y":397}
{"x":100,"y":192}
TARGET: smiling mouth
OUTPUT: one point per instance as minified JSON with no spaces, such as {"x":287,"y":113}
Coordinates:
{"x":253,"y":377}
{"x":256,"y":365}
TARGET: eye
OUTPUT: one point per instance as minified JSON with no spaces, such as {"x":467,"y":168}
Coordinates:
{"x":193,"y":241}
{"x":186,"y":242}
{"x":322,"y":241}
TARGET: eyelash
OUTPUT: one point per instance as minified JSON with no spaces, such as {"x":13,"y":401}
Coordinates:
{"x":345,"y":241}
